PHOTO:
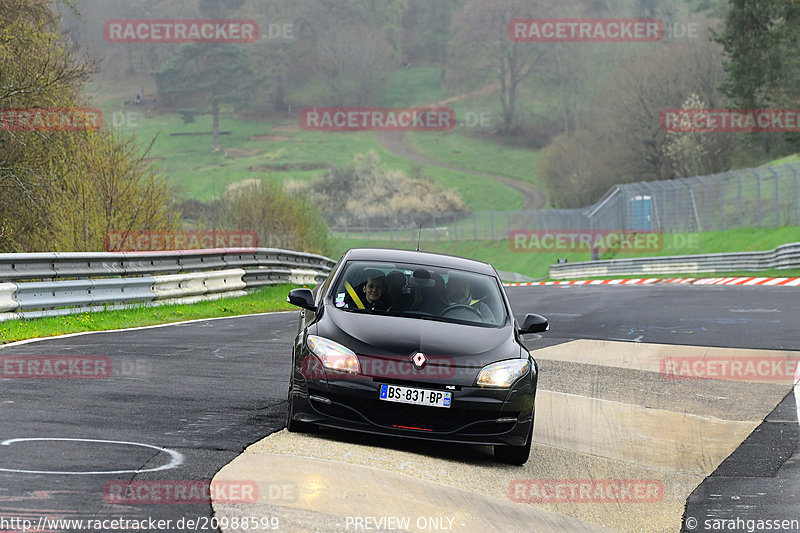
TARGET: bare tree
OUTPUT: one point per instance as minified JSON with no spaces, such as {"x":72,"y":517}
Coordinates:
{"x":623,"y":140}
{"x":356,"y":61}
{"x":662,"y":79}
{"x":482,"y":48}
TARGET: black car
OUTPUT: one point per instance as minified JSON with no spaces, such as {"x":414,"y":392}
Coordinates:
{"x":414,"y":344}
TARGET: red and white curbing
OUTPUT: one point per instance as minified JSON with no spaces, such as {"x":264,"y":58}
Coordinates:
{"x":791,"y":282}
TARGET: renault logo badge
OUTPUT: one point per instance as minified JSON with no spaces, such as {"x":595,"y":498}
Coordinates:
{"x":419,"y":360}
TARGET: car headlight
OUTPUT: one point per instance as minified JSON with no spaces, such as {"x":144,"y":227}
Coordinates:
{"x":333,"y":355}
{"x":503,"y":373}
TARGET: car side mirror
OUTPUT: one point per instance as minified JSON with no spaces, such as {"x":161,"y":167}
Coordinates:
{"x":534,"y":324}
{"x":302,"y":298}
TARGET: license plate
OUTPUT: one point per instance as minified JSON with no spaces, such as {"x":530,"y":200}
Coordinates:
{"x":431,"y":398}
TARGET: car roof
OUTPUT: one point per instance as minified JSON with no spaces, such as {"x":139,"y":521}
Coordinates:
{"x":421,"y":258}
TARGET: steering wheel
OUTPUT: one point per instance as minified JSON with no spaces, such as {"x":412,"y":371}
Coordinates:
{"x":460,"y":306}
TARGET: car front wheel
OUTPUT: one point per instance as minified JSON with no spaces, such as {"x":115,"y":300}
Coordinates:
{"x":295,"y":426}
{"x":514,"y":455}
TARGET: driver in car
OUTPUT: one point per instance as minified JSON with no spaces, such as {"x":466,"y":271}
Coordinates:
{"x":458,"y":292}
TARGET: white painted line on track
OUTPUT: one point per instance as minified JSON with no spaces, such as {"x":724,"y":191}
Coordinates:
{"x":67,"y":335}
{"x":176,"y":458}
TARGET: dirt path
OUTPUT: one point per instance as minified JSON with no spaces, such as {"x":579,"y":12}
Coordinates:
{"x":394,"y":141}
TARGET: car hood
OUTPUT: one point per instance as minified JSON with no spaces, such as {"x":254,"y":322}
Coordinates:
{"x":396,"y":339}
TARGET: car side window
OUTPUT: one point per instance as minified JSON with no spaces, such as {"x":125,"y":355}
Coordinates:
{"x":324,"y":288}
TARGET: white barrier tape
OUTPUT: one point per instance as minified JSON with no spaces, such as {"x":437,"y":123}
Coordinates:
{"x":303,"y":277}
{"x":7,"y":302}
{"x":198,"y":283}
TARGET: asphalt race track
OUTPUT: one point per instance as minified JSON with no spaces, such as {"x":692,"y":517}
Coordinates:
{"x":183,"y":401}
{"x":204,"y":389}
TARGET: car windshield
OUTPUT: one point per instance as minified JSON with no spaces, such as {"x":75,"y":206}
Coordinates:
{"x":420,"y":291}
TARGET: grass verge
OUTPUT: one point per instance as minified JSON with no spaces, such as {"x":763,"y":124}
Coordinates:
{"x":537,"y":264}
{"x":264,"y":300}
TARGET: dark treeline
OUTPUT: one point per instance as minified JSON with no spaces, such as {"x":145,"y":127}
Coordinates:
{"x":592,"y":109}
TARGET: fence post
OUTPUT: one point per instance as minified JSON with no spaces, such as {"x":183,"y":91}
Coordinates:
{"x":706,"y":207}
{"x":433,"y":217}
{"x":346,"y":227}
{"x":721,"y":185}
{"x":758,"y":197}
{"x":455,"y":227}
{"x":676,"y":215}
{"x":741,"y":214}
{"x":491,"y":215}
{"x":777,"y":203}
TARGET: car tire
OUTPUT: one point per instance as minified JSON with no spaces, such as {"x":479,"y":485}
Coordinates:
{"x":295,"y":426}
{"x":515,"y":455}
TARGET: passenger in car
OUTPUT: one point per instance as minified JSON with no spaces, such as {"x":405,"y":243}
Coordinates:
{"x":428,"y":297}
{"x":398,"y":292}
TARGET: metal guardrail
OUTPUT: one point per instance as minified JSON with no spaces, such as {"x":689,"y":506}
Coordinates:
{"x":44,"y":284}
{"x":783,"y":257}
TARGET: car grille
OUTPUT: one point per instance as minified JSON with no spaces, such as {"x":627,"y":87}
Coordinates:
{"x":418,"y":417}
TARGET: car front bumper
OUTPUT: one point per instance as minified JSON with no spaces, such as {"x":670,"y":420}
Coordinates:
{"x":476,"y":415}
